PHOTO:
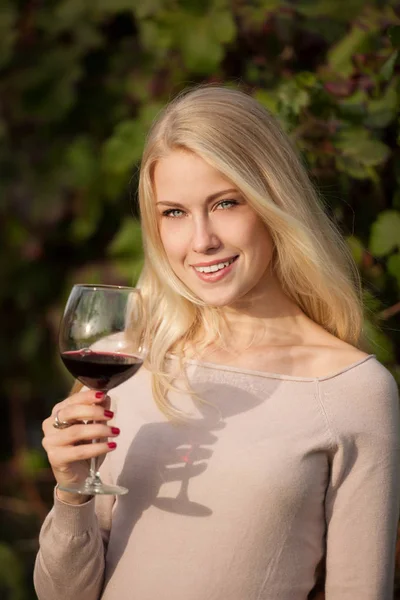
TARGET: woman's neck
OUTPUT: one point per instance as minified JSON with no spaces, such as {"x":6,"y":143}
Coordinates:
{"x":267,"y":317}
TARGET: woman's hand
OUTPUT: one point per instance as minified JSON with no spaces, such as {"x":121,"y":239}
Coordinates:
{"x":69,"y":450}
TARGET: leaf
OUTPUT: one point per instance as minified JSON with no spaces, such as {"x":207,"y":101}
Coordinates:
{"x":387,"y":69}
{"x":223,"y":26}
{"x":268,"y":100}
{"x":356,"y":248}
{"x":354,"y":168}
{"x":393,"y":265}
{"x":124,"y":148}
{"x":201,"y":52}
{"x":353,"y":107}
{"x":385,"y":233}
{"x":371,"y":153}
{"x":128,"y":241}
{"x":383,"y":110}
{"x":381,"y":345}
{"x":307,"y":79}
{"x":338,"y":10}
{"x":156,"y":38}
{"x":126,"y":250}
{"x":341,"y":54}
{"x":353,"y":135}
{"x":356,"y":145}
{"x":293,"y":98}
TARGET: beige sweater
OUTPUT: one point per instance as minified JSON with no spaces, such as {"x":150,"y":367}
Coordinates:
{"x":243,"y":502}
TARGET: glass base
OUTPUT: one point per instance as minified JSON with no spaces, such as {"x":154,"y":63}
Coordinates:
{"x":92,"y":488}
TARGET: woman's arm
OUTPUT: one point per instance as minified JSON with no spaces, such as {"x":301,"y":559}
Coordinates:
{"x":363,"y":496}
{"x":73,"y":539}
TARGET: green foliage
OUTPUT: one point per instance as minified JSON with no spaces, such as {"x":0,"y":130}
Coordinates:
{"x":32,"y":462}
{"x":356,"y":248}
{"x":394,"y":267}
{"x":80,"y":85}
{"x":385,"y":233}
{"x":125,"y":250}
{"x":381,"y":345}
{"x":12,"y":585}
{"x":340,"y":57}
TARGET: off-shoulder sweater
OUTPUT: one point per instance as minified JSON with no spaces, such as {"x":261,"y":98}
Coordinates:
{"x":271,"y":475}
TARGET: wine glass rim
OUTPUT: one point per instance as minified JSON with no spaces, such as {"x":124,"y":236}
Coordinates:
{"x":101,"y":286}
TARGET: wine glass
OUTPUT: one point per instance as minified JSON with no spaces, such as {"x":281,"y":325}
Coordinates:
{"x":101,"y":343}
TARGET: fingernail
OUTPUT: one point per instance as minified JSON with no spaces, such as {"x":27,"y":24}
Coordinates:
{"x":99,"y":395}
{"x":109,"y":414}
{"x":112,"y":445}
{"x":115,"y":430}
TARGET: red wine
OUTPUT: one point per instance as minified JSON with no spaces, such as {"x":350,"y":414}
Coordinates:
{"x":101,"y":370}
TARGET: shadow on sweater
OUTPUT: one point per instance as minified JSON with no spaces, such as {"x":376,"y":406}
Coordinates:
{"x":163,"y":452}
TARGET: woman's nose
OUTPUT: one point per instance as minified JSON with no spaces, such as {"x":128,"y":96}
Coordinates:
{"x":204,"y":237}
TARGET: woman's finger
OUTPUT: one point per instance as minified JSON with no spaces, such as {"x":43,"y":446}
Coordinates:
{"x":78,"y":413}
{"x":64,"y":457}
{"x":78,"y":433}
{"x":89,"y":397}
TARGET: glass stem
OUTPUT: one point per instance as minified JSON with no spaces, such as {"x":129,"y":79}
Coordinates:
{"x":94,"y":474}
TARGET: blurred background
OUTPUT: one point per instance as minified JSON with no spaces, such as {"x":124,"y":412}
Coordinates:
{"x":80,"y":82}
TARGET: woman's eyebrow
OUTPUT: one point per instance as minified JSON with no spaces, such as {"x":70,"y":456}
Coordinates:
{"x":209,"y":198}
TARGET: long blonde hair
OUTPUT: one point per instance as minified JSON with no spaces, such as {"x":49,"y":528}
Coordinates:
{"x":234,"y":134}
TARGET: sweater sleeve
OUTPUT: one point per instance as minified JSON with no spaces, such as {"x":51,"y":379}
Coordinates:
{"x":363,"y":495}
{"x":73,"y":540}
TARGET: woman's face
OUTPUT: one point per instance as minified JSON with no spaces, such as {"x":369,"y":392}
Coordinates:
{"x":215,"y":242}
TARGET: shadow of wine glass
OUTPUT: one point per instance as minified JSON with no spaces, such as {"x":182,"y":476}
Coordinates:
{"x":181,"y":504}
{"x":162,"y":453}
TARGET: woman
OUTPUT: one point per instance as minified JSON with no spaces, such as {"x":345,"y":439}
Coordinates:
{"x":273,"y":441}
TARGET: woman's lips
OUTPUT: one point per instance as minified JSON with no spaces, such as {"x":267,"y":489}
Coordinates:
{"x":217,"y":275}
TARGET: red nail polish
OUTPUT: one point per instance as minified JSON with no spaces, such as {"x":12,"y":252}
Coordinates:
{"x":112,"y":445}
{"x":99,"y":394}
{"x":109,"y":414}
{"x":115,"y":430}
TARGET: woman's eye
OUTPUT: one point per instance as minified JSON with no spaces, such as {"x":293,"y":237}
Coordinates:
{"x":172,"y":213}
{"x":226,"y":204}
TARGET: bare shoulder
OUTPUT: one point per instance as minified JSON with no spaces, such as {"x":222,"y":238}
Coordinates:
{"x":338,"y":356}
{"x":319,"y":354}
{"x":323,"y":354}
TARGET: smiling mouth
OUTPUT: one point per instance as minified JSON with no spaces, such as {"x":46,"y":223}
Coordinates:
{"x":217,"y":267}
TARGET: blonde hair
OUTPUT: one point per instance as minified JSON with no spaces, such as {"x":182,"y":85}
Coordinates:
{"x":234,"y":134}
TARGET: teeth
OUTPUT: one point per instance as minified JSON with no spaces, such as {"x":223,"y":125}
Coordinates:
{"x":214,"y":268}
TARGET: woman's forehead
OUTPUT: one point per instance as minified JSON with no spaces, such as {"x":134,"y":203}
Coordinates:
{"x":185,"y":172}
